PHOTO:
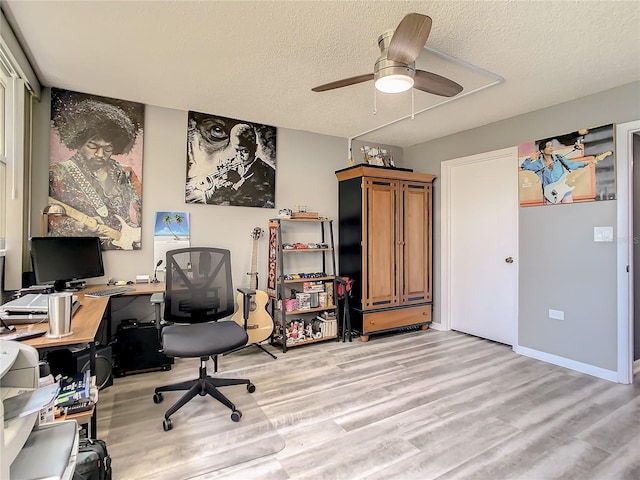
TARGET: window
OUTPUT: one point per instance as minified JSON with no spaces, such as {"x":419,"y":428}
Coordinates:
{"x":3,"y":164}
{"x":18,"y":83}
{"x":13,"y":194}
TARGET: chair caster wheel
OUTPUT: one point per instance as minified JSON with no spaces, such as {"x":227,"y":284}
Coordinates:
{"x":157,"y":397}
{"x":236,"y":415}
{"x":167,"y":425}
{"x":251,"y":388}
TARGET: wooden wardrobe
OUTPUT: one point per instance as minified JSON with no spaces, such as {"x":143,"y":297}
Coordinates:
{"x":385,"y":245}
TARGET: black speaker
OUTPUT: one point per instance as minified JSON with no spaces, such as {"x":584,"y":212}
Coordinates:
{"x":67,"y":362}
{"x":137,"y":350}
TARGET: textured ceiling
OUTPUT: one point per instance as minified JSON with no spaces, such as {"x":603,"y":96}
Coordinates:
{"x":258,"y":61}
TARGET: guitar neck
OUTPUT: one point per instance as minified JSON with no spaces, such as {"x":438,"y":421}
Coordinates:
{"x":254,"y":266}
{"x":576,"y":174}
{"x":86,"y":219}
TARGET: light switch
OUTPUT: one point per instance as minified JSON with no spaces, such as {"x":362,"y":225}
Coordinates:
{"x":603,"y":234}
{"x":556,"y":314}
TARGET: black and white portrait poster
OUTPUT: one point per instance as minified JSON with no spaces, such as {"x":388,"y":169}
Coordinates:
{"x":230,"y":162}
{"x":95,"y":171}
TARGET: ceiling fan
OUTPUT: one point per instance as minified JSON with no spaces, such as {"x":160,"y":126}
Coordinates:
{"x":395,"y":71}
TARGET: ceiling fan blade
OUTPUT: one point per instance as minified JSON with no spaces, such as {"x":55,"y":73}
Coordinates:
{"x":433,"y":83}
{"x":345,"y":82}
{"x":409,"y":38}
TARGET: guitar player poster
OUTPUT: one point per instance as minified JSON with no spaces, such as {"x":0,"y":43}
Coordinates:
{"x":95,"y":171}
{"x":568,"y":168}
{"x":230,"y":162}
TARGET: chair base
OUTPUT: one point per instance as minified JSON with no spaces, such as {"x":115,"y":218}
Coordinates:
{"x":203,"y":385}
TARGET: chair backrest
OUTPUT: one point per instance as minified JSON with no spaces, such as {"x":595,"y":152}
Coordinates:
{"x":199,"y":286}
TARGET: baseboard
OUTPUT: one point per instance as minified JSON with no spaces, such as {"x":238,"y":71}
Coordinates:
{"x":605,"y":374}
{"x":437,"y":326}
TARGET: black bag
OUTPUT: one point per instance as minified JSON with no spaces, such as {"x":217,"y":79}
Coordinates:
{"x":93,"y":461}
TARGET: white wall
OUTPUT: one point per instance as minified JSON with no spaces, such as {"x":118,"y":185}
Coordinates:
{"x":588,"y":283}
{"x":305,"y":176}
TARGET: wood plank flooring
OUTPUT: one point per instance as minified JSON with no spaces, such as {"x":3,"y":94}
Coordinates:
{"x":412,"y":405}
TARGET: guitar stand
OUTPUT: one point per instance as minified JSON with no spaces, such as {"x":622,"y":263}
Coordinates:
{"x":346,"y":315}
{"x":246,"y":301}
{"x":252,"y":345}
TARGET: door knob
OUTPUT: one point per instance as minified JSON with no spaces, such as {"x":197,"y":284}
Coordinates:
{"x":509,"y":259}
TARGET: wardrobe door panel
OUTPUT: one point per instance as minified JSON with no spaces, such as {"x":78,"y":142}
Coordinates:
{"x":415,"y":243}
{"x":381,"y":244}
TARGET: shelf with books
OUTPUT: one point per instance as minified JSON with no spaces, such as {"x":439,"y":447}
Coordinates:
{"x":307,"y":310}
{"x":299,"y":297}
{"x":305,"y":330}
{"x":326,"y":277}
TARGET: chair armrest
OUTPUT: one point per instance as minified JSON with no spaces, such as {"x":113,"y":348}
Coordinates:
{"x":247,"y":293}
{"x":157,"y":299}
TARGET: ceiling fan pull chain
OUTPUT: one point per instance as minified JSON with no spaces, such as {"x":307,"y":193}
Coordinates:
{"x":375,"y":101}
{"x":413,"y":106}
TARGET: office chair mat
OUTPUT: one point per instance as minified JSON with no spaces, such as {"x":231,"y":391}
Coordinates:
{"x":203,"y":440}
{"x":202,"y":339}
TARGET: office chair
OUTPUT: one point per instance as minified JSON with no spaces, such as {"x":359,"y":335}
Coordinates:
{"x":198,"y":293}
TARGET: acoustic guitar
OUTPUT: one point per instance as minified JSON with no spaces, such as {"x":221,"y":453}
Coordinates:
{"x":123,"y":238}
{"x":259,"y":324}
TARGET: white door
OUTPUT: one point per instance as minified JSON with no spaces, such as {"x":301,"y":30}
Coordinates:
{"x":627,"y":162}
{"x":479,"y":245}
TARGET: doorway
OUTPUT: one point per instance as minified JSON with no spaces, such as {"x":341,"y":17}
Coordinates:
{"x":479,"y":219}
{"x":635,"y":209}
{"x":628,"y":142}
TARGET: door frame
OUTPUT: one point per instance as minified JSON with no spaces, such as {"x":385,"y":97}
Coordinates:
{"x":624,"y":179}
{"x":445,"y":236}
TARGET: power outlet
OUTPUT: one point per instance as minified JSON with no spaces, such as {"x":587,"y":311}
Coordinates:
{"x":556,"y":314}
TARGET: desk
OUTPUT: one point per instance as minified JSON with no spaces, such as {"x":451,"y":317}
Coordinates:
{"x":86,"y":322}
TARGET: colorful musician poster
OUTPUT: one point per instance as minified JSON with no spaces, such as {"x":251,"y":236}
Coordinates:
{"x":567,"y":168}
{"x":95,"y":171}
{"x":230,"y":162}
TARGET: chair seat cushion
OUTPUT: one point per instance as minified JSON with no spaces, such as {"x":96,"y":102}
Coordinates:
{"x":202,"y":339}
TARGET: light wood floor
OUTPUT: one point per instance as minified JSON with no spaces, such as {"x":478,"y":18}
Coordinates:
{"x":423,"y":405}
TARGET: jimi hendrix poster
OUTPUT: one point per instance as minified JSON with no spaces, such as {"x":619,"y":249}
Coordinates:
{"x":95,"y":171}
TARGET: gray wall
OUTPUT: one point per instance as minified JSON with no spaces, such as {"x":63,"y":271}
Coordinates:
{"x":587,"y":284}
{"x":305,"y":176}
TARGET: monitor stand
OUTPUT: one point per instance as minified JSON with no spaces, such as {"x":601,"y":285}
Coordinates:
{"x":77,"y":285}
{"x":64,"y":286}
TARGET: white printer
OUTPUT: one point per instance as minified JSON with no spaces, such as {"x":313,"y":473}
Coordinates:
{"x":27,"y":450}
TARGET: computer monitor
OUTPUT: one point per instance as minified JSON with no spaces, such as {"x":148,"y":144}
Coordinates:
{"x":59,"y":260}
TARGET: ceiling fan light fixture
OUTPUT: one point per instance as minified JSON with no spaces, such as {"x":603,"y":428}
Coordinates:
{"x":394,"y":83}
{"x":391,"y":77}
